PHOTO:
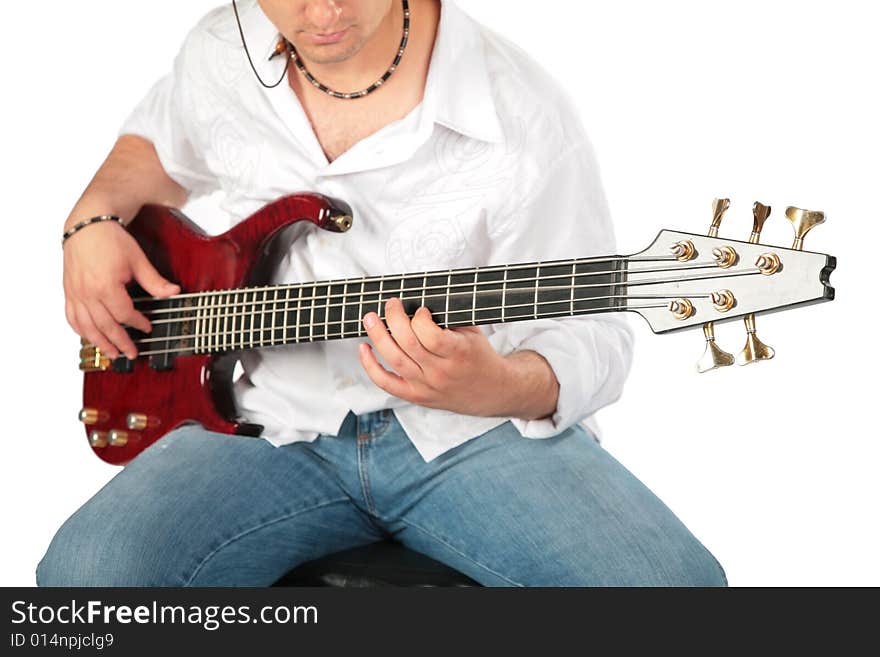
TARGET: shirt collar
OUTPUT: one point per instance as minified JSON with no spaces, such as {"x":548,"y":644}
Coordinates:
{"x":458,"y":92}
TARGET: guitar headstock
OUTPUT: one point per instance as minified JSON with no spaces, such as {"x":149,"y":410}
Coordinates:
{"x":685,"y":280}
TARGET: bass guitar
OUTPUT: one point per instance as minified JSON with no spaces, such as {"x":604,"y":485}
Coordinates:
{"x":184,"y":369}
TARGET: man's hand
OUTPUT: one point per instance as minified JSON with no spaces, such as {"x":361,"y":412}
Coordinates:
{"x":455,"y":369}
{"x":99,"y":261}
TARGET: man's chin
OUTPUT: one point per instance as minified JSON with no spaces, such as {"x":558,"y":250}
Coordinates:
{"x":328,"y":54}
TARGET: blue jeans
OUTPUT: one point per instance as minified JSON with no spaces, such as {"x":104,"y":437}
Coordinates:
{"x":204,"y":509}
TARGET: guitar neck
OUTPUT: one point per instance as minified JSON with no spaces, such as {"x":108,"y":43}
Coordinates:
{"x":250,"y":318}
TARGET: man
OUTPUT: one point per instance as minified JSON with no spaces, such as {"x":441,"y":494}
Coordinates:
{"x":454,"y":149}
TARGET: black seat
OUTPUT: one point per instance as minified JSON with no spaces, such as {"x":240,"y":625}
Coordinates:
{"x":385,"y":563}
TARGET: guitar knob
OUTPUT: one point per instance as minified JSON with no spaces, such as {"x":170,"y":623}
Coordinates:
{"x":136,"y":421}
{"x":89,"y":416}
{"x":118,"y":438}
{"x":98,"y":439}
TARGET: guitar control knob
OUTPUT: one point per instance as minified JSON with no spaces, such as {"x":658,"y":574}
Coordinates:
{"x":136,"y":421}
{"x":98,"y":439}
{"x":89,"y":416}
{"x":118,"y":438}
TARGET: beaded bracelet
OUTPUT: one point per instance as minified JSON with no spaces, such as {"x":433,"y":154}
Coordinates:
{"x":93,"y":220}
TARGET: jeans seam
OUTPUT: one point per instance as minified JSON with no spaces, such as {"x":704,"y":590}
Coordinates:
{"x":459,"y":552}
{"x":365,"y":476}
{"x":251,"y":530}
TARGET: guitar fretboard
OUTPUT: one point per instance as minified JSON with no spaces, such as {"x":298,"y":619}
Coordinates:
{"x":248,"y":318}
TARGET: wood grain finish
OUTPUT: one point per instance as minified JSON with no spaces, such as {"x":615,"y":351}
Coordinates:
{"x":198,"y":387}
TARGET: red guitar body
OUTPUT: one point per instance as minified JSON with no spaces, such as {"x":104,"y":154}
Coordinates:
{"x":197,"y":387}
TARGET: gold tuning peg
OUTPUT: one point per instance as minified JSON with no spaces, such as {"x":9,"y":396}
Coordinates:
{"x":719,"y":207}
{"x":760,"y":212}
{"x":803,"y":221}
{"x":755,"y":350}
{"x":714,"y":356}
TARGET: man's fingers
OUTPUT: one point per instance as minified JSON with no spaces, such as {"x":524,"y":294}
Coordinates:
{"x":123,"y":311}
{"x":70,"y":313}
{"x":151,"y":280}
{"x":389,"y":349}
{"x":387,"y":381}
{"x":435,"y":339}
{"x":90,"y":331}
{"x":112,"y":330}
{"x":402,"y":331}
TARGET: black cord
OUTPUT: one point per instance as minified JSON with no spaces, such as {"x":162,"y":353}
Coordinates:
{"x":247,"y":52}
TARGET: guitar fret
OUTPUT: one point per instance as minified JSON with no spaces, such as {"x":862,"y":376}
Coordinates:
{"x":474,"y":302}
{"x":573,"y":270}
{"x":225,"y":321}
{"x":263,"y":318}
{"x":327,"y":313}
{"x":504,"y":293}
{"x":274,"y":311}
{"x":361,"y":309}
{"x":313,"y":295}
{"x":343,"y":309}
{"x":236,"y":316}
{"x":424,"y":287}
{"x":198,"y":324}
{"x":298,"y":310}
{"x":379,"y":303}
{"x":285,"y":315}
{"x":252,"y":313}
{"x":212,"y":324}
{"x":537,"y":287}
{"x":448,"y":292}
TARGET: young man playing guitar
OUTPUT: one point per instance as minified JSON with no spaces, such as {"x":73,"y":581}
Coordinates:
{"x":453,"y":148}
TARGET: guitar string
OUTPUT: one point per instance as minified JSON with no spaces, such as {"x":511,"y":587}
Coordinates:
{"x":215,"y":335}
{"x":346,"y":282}
{"x":216,"y":319}
{"x":361,"y":332}
{"x":440,"y":272}
{"x":207,"y":312}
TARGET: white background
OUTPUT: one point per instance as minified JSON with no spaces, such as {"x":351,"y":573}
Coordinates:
{"x":772,"y":466}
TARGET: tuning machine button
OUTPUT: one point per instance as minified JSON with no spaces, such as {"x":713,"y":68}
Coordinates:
{"x":755,"y":350}
{"x":803,"y":221}
{"x":714,"y":356}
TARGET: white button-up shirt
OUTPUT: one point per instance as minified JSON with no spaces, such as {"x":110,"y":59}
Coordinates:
{"x":492,"y":167}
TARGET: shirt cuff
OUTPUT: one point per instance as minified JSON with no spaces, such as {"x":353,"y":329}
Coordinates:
{"x":590,"y":359}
